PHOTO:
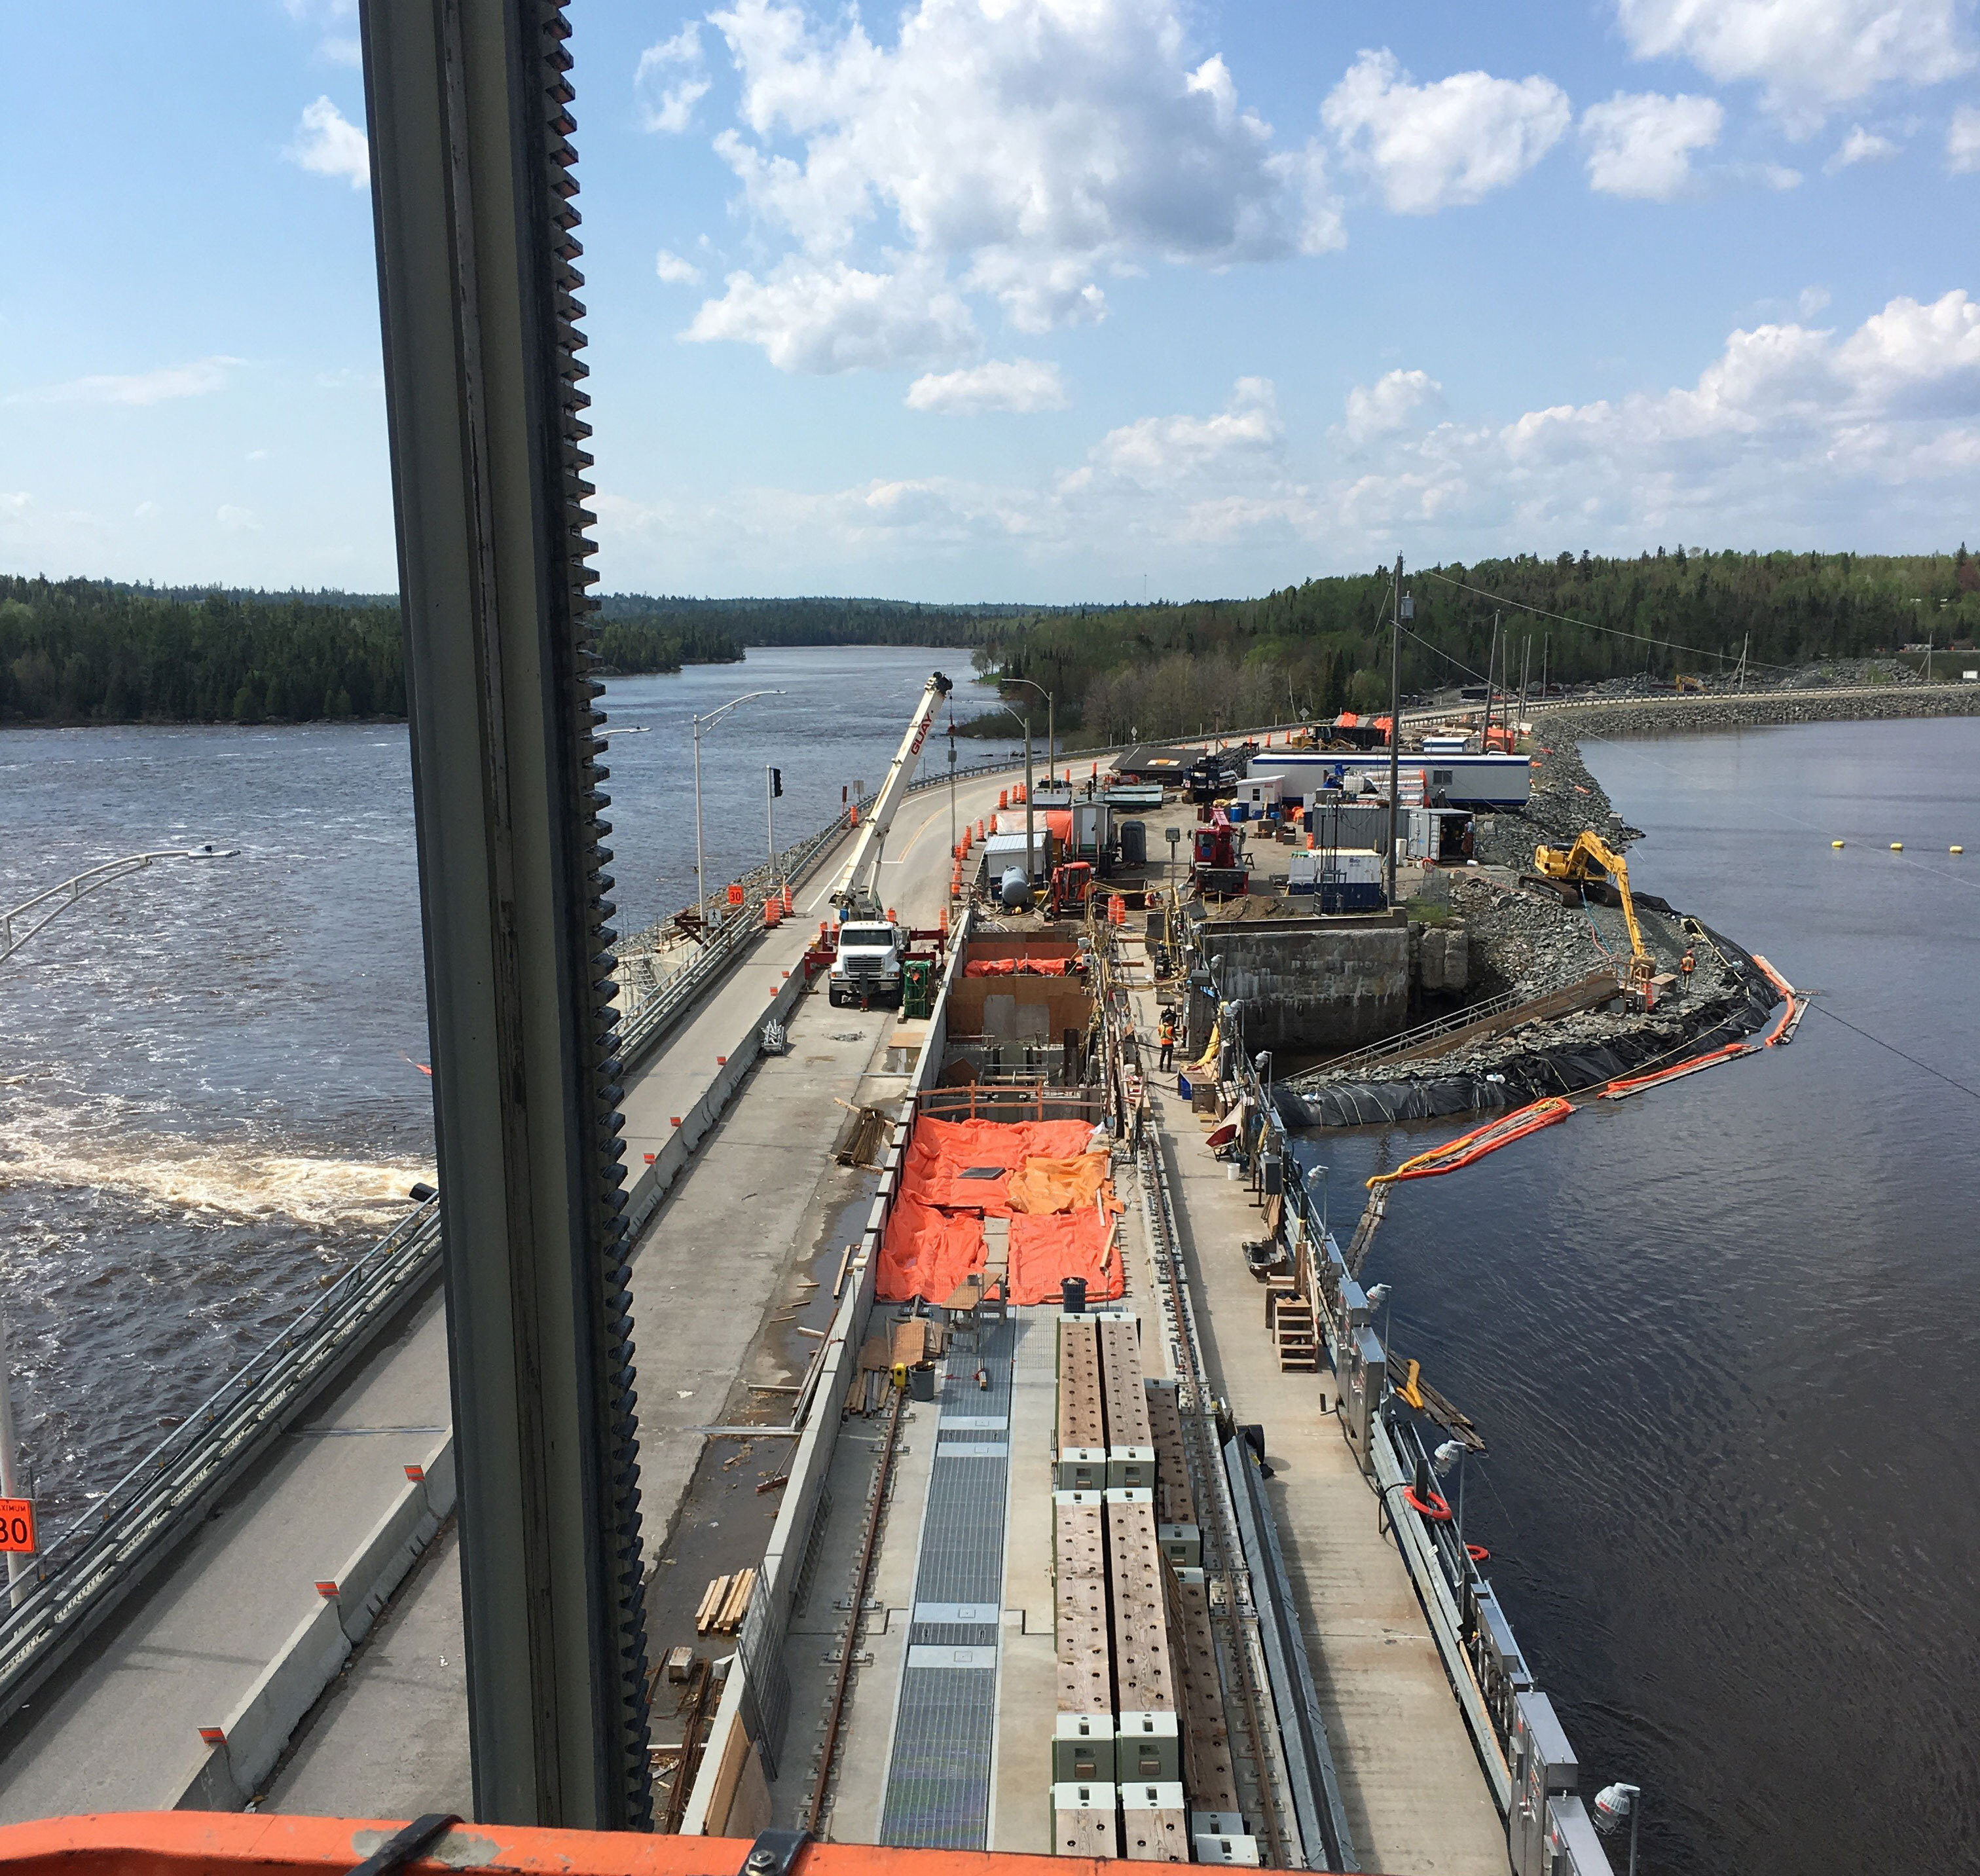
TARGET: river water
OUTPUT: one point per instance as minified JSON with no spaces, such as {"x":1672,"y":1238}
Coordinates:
{"x":210,"y":1093}
{"x":1722,"y":1338}
{"x":1719,"y":1338}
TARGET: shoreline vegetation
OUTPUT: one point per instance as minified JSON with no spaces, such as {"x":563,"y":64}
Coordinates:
{"x":80,"y":652}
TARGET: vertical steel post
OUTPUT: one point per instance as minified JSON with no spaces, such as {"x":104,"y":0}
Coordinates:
{"x":1396,"y":715}
{"x":700,"y":883}
{"x":468,"y":109}
{"x":19,"y":1567}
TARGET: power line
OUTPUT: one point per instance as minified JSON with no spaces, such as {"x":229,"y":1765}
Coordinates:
{"x":1613,"y":631}
{"x":1895,"y":1050}
{"x":1456,"y":663}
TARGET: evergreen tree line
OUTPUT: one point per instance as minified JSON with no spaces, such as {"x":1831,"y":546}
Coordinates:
{"x":1168,"y":668}
{"x":818,"y":620}
{"x":83,"y":651}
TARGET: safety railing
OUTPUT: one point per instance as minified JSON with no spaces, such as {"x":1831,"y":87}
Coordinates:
{"x":1407,"y":1039}
{"x":88,"y":1569}
{"x":649,"y":1021}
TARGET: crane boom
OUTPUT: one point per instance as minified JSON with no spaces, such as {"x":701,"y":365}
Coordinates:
{"x":1591,"y":854}
{"x":857,"y":889}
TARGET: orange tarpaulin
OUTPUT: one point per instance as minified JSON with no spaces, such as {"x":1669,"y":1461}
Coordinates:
{"x":1020,"y":967}
{"x":1037,"y":1174}
{"x":926,"y":1252}
{"x":1044,"y":1251}
{"x":1059,"y":824}
{"x":1041,"y":1185}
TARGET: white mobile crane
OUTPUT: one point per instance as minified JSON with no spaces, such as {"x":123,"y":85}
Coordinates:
{"x":871,"y":944}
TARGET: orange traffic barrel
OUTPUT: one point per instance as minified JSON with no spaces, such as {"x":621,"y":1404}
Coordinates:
{"x":1003,"y":797}
{"x":773,"y":911}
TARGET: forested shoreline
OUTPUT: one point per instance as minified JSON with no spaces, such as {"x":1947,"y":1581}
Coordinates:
{"x":82,"y":651}
{"x":1313,"y":649}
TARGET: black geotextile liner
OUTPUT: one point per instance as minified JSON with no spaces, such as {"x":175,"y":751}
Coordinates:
{"x":1565,"y":1069}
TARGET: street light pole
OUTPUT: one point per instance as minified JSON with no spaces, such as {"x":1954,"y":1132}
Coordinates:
{"x":710,"y":721}
{"x":1051,"y":777}
{"x":1395,"y":714}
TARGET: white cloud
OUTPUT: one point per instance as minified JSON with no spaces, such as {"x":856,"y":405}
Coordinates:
{"x":200,"y":379}
{"x":145,"y":511}
{"x":1389,"y":405}
{"x":1430,"y":147}
{"x":1860,"y":146}
{"x":1809,"y":55}
{"x":1962,"y":142}
{"x":670,"y":81}
{"x":331,"y":20}
{"x":1034,"y":146}
{"x":328,"y":144}
{"x":1165,"y":451}
{"x":1641,"y":146}
{"x":1812,"y":301}
{"x":834,"y":317}
{"x":675,"y":271}
{"x":1021,"y":384}
{"x":237,"y":520}
{"x":1789,"y":437}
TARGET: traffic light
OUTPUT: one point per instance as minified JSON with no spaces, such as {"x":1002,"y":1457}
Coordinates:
{"x":777,"y":782}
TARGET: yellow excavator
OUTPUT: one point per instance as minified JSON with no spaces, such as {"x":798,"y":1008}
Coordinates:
{"x":1590,"y":854}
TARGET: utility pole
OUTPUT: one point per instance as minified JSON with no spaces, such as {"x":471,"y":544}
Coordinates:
{"x":1395,"y":713}
{"x":1744,"y":642}
{"x":1030,"y":849}
{"x":1547,"y":642}
{"x":1491,"y":680}
{"x":1526,"y":662}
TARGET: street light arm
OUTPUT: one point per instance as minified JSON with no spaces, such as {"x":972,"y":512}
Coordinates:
{"x":716,"y":715}
{"x":16,"y":928}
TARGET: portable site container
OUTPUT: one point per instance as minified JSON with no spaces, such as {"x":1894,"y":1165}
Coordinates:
{"x":1345,"y":879}
{"x":1006,"y":850}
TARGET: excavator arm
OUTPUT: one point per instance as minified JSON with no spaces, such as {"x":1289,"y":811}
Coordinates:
{"x":1590,"y":854}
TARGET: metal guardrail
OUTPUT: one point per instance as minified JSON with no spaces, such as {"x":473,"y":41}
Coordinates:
{"x":100,"y":1558}
{"x":641,"y":1031}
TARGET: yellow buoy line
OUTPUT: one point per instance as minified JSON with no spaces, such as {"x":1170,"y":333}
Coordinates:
{"x":1896,"y":846}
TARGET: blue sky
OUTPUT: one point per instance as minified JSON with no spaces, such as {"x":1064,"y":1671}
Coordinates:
{"x":1045,"y":300}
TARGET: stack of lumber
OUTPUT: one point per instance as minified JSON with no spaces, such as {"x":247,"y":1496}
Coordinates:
{"x":724,"y":1604}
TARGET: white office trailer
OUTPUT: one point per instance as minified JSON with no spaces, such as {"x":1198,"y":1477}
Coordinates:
{"x":1466,"y":781}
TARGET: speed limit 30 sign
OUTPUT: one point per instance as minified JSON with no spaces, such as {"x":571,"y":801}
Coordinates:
{"x":17,"y":1525}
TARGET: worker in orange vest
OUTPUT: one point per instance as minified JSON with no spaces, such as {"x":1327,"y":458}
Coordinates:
{"x":1688,"y":964}
{"x":1166,"y":1037}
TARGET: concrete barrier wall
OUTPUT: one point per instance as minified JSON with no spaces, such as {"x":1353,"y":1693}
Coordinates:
{"x":655,"y":1181}
{"x":225,"y":1774}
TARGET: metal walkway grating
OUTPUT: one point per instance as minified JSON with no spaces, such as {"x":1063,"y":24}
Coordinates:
{"x":937,"y":1794}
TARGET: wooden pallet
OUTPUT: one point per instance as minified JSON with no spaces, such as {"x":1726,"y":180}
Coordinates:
{"x":724,"y":1603}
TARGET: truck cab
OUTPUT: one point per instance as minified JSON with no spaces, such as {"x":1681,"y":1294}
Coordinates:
{"x":868,"y":966}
